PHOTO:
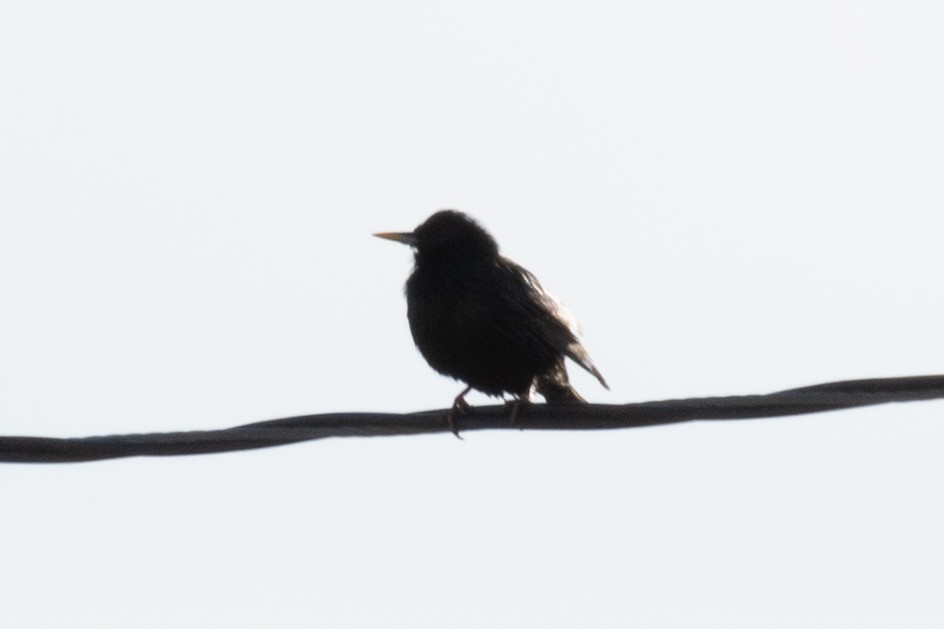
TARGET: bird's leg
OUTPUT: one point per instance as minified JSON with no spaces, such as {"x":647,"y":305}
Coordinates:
{"x":516,"y":405}
{"x":459,"y":404}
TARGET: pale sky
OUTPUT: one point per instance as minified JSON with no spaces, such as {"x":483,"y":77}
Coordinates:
{"x":731,"y":197}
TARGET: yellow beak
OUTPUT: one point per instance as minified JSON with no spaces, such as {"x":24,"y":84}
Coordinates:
{"x":407,"y":238}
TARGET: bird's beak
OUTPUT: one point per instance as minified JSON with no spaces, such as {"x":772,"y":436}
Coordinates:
{"x":407,"y":238}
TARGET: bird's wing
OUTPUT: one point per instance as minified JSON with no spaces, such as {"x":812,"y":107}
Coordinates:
{"x":554,"y":323}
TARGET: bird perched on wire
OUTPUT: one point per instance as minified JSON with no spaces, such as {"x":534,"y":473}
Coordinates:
{"x":481,"y":318}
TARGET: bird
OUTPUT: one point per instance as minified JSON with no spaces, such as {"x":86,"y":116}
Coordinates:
{"x":483,"y":319}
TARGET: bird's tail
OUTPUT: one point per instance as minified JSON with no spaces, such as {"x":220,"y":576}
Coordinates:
{"x":555,"y":387}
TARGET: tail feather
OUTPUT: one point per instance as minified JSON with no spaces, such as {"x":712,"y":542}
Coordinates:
{"x":578,"y":353}
{"x":555,"y":387}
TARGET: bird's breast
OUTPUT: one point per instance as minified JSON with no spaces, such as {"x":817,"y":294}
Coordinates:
{"x":465,"y":327}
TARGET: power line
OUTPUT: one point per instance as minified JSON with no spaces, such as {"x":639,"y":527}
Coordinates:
{"x":812,"y":399}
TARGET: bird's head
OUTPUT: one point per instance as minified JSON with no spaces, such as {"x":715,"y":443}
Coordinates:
{"x":447,"y":234}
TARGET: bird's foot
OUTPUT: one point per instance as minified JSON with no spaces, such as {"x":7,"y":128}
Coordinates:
{"x":460,"y":405}
{"x":516,"y":405}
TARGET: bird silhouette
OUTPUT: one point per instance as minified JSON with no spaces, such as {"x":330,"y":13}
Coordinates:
{"x":481,"y":318}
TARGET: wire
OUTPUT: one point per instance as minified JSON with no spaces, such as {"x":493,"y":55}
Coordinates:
{"x":812,"y":399}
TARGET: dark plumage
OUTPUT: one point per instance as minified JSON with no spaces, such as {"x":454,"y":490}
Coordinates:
{"x":479,"y":317}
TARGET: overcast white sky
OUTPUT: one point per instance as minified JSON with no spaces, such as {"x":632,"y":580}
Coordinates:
{"x":733,"y":197}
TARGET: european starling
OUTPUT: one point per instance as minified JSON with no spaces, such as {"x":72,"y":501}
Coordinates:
{"x":479,"y":317}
